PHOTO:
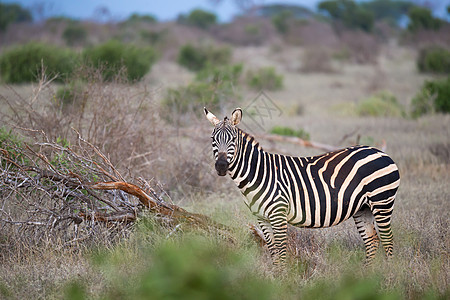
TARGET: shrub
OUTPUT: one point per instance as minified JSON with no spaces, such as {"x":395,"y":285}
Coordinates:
{"x":382,"y":104}
{"x":287,"y":131}
{"x":213,"y":87}
{"x":23,"y":63}
{"x":433,"y":96}
{"x":434,"y":59}
{"x":111,"y":56}
{"x":12,"y":144}
{"x":74,"y":34}
{"x":196,"y":58}
{"x":265,"y":78}
{"x":185,"y":99}
{"x":199,"y":18}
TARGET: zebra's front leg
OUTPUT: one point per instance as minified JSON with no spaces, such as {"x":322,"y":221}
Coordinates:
{"x":275,"y":233}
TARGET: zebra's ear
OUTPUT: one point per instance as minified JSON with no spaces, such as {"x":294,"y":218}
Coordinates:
{"x":236,"y":116}
{"x":211,"y":117}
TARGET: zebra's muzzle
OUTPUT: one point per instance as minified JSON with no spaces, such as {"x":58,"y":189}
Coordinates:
{"x":221,"y":164}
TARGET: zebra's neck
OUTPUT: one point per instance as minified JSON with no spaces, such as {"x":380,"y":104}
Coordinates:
{"x":246,"y":163}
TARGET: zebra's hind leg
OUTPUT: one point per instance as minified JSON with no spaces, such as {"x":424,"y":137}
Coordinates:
{"x":364,"y":221}
{"x":382,"y":212}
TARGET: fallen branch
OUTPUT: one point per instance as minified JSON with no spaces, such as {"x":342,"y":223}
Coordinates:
{"x":171,"y":210}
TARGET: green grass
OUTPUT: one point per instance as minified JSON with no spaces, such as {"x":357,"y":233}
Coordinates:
{"x":193,"y":264}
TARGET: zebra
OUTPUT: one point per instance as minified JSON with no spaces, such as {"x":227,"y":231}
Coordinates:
{"x":312,"y":192}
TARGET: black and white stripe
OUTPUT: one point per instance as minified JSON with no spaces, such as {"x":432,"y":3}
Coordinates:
{"x":320,"y":191}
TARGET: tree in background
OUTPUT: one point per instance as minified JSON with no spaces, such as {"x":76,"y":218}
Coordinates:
{"x":389,"y":10}
{"x":297,"y":11}
{"x":142,"y":18}
{"x":199,"y":18}
{"x":421,"y":18}
{"x":13,"y":13}
{"x":349,"y":13}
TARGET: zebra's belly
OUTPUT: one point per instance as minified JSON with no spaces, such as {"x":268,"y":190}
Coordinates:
{"x":319,"y":212}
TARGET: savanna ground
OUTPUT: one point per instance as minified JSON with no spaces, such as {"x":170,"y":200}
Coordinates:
{"x":153,"y":260}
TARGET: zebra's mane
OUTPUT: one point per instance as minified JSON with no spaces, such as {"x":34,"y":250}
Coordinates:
{"x":250,"y":138}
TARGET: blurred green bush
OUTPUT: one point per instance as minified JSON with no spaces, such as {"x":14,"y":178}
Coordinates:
{"x":188,"y":99}
{"x":434,"y":96}
{"x":213,"y":86}
{"x":349,"y":287}
{"x":24,"y":63}
{"x":264,"y":79}
{"x":287,"y":131}
{"x":193,"y":267}
{"x":382,"y":104}
{"x":113,"y":55}
{"x":196,"y":58}
{"x":12,"y":145}
{"x":434,"y":60}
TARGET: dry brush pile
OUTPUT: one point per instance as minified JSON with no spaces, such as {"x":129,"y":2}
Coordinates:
{"x":58,"y":185}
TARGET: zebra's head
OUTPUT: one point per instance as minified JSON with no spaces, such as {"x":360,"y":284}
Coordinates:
{"x":224,"y":138}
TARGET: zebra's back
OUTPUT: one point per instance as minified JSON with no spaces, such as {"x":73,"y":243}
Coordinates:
{"x":327,"y":189}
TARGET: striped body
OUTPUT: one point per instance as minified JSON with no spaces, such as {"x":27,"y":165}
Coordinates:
{"x":320,"y":191}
